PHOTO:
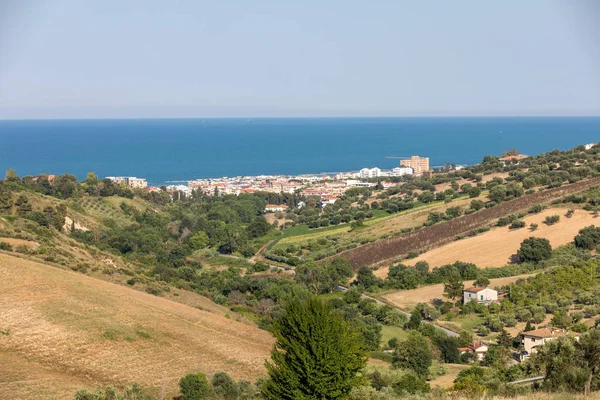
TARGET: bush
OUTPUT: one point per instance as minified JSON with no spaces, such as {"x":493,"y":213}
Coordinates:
{"x":411,"y":384}
{"x":6,"y":246}
{"x":534,"y":250}
{"x":588,"y":238}
{"x":517,"y":224}
{"x":552,"y":219}
{"x":194,"y":386}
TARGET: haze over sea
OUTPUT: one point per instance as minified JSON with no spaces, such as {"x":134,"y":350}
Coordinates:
{"x":163,"y":150}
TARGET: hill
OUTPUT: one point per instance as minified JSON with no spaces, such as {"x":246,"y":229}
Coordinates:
{"x":63,"y":330}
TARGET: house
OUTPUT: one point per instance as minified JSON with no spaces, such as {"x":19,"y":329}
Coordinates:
{"x":481,"y":295}
{"x":275,"y":207}
{"x":537,"y":337}
{"x":477,"y":348}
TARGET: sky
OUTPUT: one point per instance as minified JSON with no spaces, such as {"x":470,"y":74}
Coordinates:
{"x":225,"y":58}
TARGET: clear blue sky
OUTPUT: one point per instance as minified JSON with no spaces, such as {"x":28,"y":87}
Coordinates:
{"x":145,"y":58}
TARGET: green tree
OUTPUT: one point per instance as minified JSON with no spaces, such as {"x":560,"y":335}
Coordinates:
{"x":534,"y":249}
{"x":454,"y":288}
{"x":194,"y":387}
{"x":11,"y":176}
{"x":482,"y":281}
{"x":588,"y":238}
{"x":413,"y":353}
{"x":317,"y":354}
{"x":199,"y":240}
{"x":224,"y":386}
{"x":258,"y":227}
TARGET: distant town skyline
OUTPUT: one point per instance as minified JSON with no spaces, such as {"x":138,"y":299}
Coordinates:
{"x":198,"y":59}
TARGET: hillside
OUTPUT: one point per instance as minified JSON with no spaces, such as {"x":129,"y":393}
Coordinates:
{"x":63,"y":330}
{"x":496,"y":247}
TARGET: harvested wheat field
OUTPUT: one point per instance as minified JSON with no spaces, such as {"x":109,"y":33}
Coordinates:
{"x":496,"y":247}
{"x":60,"y":330}
{"x":408,"y":299}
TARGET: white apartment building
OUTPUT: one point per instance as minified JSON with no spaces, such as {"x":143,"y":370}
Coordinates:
{"x":366,"y":173}
{"x":403,"y":170}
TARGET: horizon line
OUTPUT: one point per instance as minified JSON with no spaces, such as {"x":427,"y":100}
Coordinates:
{"x":298,"y":117}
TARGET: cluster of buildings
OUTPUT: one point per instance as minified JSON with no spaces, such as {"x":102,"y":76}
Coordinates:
{"x":329,"y":187}
{"x":531,"y":339}
{"x":131,"y":181}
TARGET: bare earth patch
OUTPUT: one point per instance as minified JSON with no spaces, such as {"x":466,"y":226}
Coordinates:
{"x":64,"y":330}
{"x":408,"y":299}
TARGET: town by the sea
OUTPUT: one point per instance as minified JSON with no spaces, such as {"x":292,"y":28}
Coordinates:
{"x":167,"y":150}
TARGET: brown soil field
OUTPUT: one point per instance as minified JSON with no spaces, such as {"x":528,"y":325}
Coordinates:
{"x":61,"y":330}
{"x":496,"y":247}
{"x":408,"y":299}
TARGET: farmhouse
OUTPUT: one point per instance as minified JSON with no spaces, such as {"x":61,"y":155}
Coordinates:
{"x":275,"y":207}
{"x":481,"y":295}
{"x":477,"y":348}
{"x":537,"y":337}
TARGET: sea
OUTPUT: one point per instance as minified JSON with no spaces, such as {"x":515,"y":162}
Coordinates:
{"x":171,"y":150}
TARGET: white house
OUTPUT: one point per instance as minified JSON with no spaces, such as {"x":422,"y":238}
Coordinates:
{"x":537,"y":337}
{"x":481,"y":295}
{"x":477,"y":348}
{"x":590,"y":145}
{"x":275,"y":207}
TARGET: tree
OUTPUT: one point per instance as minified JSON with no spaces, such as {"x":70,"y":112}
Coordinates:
{"x":426,"y":197}
{"x":194,"y":387}
{"x":482,"y":281}
{"x":413,"y":353}
{"x":366,"y":278}
{"x":258,"y":227}
{"x":504,"y":339}
{"x":317,"y":354}
{"x":588,"y":238}
{"x":11,"y":176}
{"x":589,"y":345}
{"x":534,"y":249}
{"x":414,"y":321}
{"x":224,"y":386}
{"x":199,"y":240}
{"x":454,"y":288}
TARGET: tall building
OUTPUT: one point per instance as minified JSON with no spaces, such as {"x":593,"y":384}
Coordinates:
{"x":418,"y":164}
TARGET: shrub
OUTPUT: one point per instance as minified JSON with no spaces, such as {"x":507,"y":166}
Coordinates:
{"x":533,"y":227}
{"x":534,"y":249}
{"x":588,"y":238}
{"x":6,"y":246}
{"x":552,"y":219}
{"x":194,"y":386}
{"x":517,"y":224}
{"x":411,"y":384}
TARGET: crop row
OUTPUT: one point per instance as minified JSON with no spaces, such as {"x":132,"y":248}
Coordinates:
{"x":436,"y":235}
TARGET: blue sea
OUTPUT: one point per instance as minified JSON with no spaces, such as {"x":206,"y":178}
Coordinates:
{"x":164,"y":150}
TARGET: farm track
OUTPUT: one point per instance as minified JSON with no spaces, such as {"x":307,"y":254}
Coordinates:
{"x":439,"y":234}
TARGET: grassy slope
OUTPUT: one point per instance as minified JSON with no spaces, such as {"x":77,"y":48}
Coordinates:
{"x":67,"y":330}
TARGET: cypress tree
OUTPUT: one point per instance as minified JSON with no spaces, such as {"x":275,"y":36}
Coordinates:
{"x":317,"y":355}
